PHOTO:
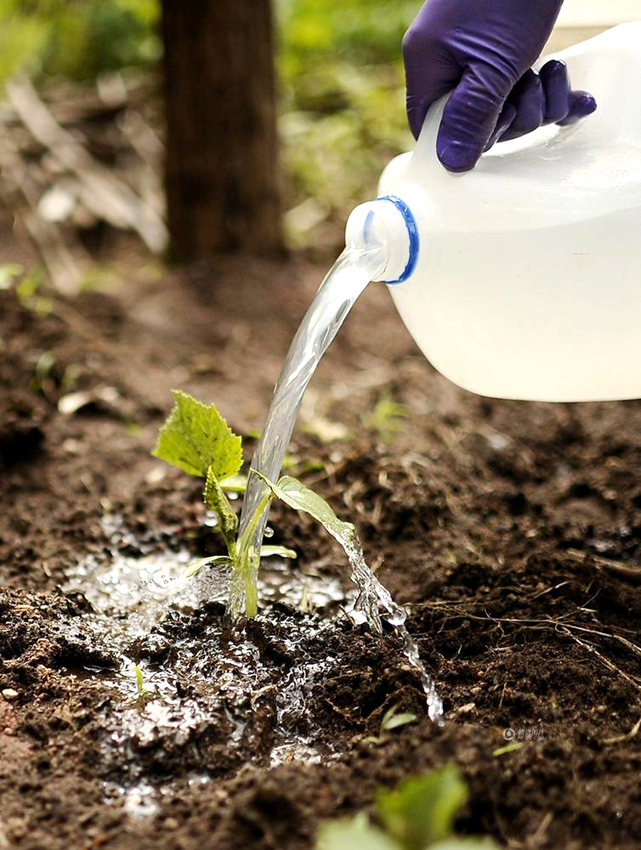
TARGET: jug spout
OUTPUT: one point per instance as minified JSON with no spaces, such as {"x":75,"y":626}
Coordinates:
{"x":388,"y":224}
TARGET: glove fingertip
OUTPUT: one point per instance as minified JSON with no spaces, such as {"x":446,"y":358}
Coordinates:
{"x":582,"y":104}
{"x":456,"y":156}
{"x":554,"y":67}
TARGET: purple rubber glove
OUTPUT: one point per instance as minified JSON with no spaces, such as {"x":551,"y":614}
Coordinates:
{"x":482,"y":51}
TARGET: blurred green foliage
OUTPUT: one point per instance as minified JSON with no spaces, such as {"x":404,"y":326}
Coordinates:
{"x":76,"y":38}
{"x":341,"y":79}
{"x":343,"y":100}
{"x":367,"y":31}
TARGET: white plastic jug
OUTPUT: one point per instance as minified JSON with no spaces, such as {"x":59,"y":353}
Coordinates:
{"x":522,"y":278}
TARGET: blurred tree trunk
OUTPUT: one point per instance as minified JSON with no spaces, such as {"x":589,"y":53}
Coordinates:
{"x":221,"y":171}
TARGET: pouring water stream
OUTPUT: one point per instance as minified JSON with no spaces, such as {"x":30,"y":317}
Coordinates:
{"x":336,"y":296}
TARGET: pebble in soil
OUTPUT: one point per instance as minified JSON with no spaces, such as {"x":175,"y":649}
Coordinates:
{"x":215,"y":696}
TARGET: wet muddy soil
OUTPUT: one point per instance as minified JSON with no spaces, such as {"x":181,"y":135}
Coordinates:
{"x":511,"y":531}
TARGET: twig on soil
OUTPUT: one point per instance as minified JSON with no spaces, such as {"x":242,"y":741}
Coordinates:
{"x":621,"y":739}
{"x":606,"y":661}
{"x":538,"y":837}
{"x":622,"y":570}
{"x":561,"y":627}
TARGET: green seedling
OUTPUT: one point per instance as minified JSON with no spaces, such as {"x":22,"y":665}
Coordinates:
{"x":418,"y":815}
{"x":508,"y":748}
{"x":391,"y":720}
{"x":386,"y":419}
{"x":197,"y":439}
{"x":143,"y":693}
{"x":26,"y":286}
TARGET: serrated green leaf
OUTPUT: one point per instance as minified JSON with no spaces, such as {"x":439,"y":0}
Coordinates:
{"x":392,"y":720}
{"x":422,"y":809}
{"x":301,"y":498}
{"x":277,"y":552}
{"x":217,"y":501}
{"x":354,"y":834}
{"x":198,"y":563}
{"x":195,"y":437}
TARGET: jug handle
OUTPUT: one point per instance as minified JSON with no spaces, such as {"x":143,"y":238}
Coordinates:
{"x":426,"y":143}
{"x":425,"y":150}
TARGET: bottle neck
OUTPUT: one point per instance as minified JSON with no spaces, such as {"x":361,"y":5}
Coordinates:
{"x":387,"y":224}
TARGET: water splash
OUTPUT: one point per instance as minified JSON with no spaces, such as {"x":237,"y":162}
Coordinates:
{"x":374,"y":598}
{"x":336,"y":296}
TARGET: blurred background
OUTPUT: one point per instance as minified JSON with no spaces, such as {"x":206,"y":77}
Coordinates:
{"x":83,"y":149}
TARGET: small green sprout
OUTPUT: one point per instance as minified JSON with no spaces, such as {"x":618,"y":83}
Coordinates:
{"x":386,"y":419}
{"x":513,"y":747}
{"x":26,"y":286}
{"x":197,"y":439}
{"x":143,"y":693}
{"x":391,"y":720}
{"x":418,"y":815}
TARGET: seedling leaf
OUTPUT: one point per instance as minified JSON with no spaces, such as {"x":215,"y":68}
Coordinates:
{"x":277,"y":552}
{"x":139,"y":680}
{"x":508,"y":748}
{"x":392,"y":720}
{"x":387,"y":417}
{"x":140,"y":684}
{"x":196,"y":438}
{"x":198,"y":563}
{"x":354,"y":834}
{"x":422,"y":809}
{"x":217,"y":501}
{"x":301,"y":498}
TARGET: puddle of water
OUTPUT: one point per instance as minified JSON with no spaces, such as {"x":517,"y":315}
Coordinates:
{"x":288,"y":753}
{"x":143,"y":800}
{"x":197,"y":674}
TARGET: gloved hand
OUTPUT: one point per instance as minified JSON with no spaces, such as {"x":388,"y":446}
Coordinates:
{"x":483,"y":51}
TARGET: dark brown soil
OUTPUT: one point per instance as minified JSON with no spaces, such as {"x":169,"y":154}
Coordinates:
{"x":509,"y":530}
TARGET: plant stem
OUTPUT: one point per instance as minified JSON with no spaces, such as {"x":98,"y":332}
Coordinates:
{"x":246,"y":559}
